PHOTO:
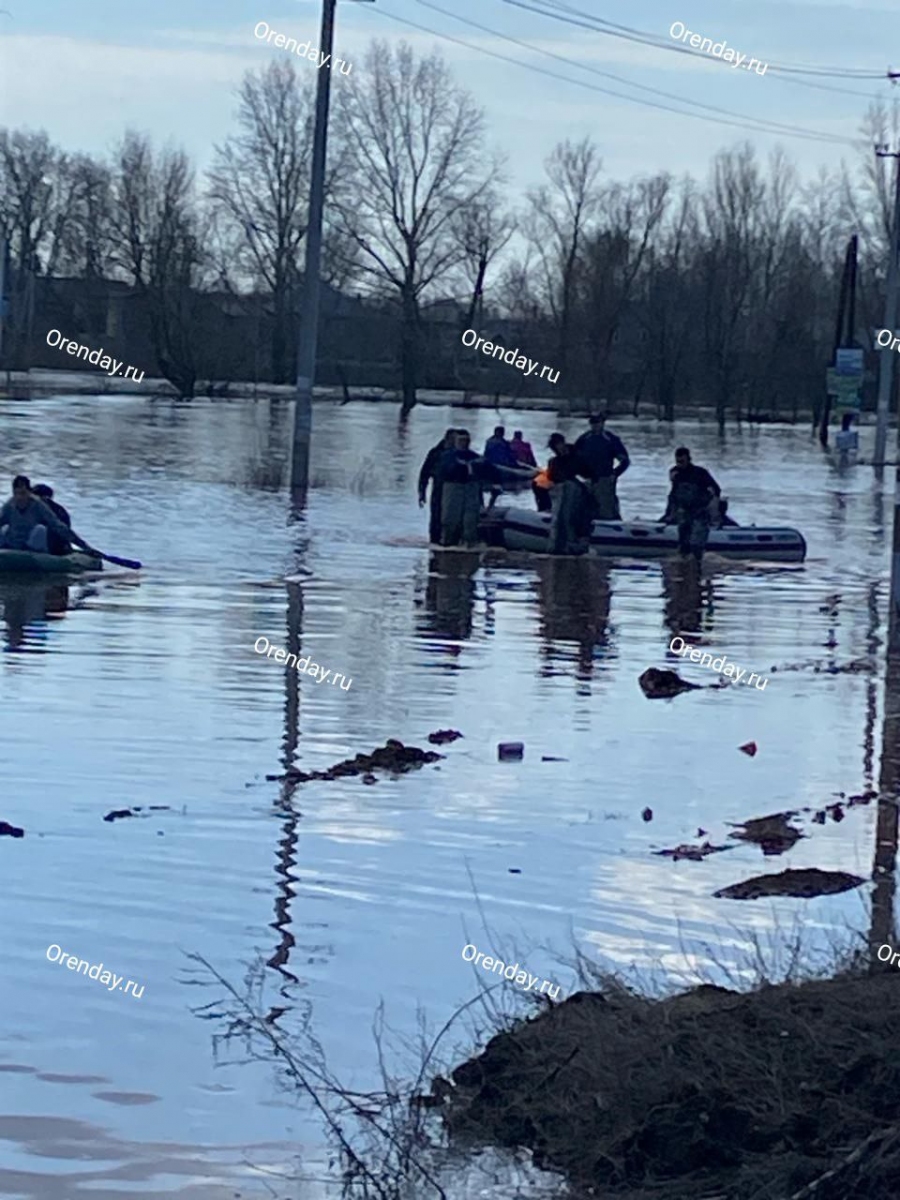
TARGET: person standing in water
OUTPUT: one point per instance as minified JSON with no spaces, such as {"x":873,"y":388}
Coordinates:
{"x":428,"y":472}
{"x":602,"y":458}
{"x":693,"y":490}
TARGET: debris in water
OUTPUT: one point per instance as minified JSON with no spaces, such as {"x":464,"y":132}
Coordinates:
{"x":804,"y":883}
{"x":118,"y":812}
{"x":552,"y":758}
{"x":369,"y":778}
{"x":663,"y":684}
{"x":647,"y":814}
{"x":440,"y":736}
{"x":694,"y":853}
{"x":7,"y":830}
{"x":393,"y":757}
{"x":510,"y":751}
{"x":772,"y":834}
{"x":134,"y":810}
{"x":749,"y":748}
{"x":514,"y":870}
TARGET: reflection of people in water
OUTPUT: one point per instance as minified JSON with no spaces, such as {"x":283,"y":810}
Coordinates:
{"x":685,"y":594}
{"x":450,"y":596}
{"x":574,"y":597}
{"x":26,"y":608}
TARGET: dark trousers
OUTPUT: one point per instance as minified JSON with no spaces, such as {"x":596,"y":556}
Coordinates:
{"x":434,"y":513}
{"x":460,"y":510}
{"x":693,"y":532}
{"x":542,"y":498}
{"x":570,"y":528}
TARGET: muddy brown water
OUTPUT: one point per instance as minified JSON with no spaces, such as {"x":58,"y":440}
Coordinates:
{"x":138,"y":691}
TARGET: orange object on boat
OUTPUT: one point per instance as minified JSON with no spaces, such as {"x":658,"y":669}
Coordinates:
{"x":542,"y":479}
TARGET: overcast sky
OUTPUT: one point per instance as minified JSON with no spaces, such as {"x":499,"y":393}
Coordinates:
{"x":85,"y":71}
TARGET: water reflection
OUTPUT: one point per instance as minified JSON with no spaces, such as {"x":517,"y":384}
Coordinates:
{"x":28,"y":607}
{"x":574,"y":596}
{"x":450,"y":595}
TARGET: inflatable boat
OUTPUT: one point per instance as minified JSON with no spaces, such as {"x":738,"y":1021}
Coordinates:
{"x":32,"y":562}
{"x":521,"y":529}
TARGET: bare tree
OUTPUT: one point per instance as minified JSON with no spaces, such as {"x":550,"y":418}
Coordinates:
{"x":156,"y":223}
{"x":559,"y":216}
{"x":417,"y":145}
{"x":259,"y":183}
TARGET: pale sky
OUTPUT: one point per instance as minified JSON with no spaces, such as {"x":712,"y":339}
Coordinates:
{"x":86,"y":71}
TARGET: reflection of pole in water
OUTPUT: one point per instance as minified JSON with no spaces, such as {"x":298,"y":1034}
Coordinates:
{"x":873,"y":641}
{"x":285,"y":858}
{"x":884,"y":868}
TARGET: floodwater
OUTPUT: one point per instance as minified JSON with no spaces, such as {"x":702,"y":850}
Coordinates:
{"x":145,"y":690}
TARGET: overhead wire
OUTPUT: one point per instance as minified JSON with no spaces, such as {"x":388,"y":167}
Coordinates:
{"x":774,"y":126}
{"x":567,"y":14}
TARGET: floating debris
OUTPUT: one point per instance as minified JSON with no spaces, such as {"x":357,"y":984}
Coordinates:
{"x":658,"y":684}
{"x":552,"y":758}
{"x":693,"y":853}
{"x":392,"y":757}
{"x":804,"y":884}
{"x":117,"y":813}
{"x":441,"y":736}
{"x":647,"y":814}
{"x":510,"y":751}
{"x":772,"y":834}
{"x":7,"y":830}
{"x":749,"y":748}
{"x":514,"y":870}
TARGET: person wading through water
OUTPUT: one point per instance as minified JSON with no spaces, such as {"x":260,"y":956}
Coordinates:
{"x":570,"y":529}
{"x":693,"y":490}
{"x":460,"y":492}
{"x":602,"y":458}
{"x":430,"y":471}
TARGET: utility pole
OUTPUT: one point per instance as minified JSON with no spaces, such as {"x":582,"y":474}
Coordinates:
{"x":309,"y":315}
{"x":886,"y":361}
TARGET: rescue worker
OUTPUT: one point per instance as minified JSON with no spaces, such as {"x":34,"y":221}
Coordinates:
{"x":429,"y":472}
{"x":460,"y":492}
{"x":693,"y":490}
{"x":602,"y":458}
{"x":570,"y":529}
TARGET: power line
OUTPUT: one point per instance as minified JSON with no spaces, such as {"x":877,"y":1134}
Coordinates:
{"x":628,"y":33}
{"x":594,"y":87}
{"x":775,"y":126}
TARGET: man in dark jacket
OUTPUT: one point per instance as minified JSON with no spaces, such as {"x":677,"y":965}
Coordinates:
{"x":461,"y":480}
{"x":25,"y":522}
{"x":693,"y":490}
{"x":570,"y":528}
{"x":429,"y":471}
{"x":56,"y":544}
{"x":602,"y":458}
{"x":498,"y":451}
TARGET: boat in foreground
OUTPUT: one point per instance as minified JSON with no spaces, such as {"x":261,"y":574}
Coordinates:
{"x":32,"y":562}
{"x":522,"y":529}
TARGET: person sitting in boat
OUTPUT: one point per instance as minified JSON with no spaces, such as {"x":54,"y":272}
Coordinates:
{"x":25,"y":522}
{"x":693,"y":490}
{"x":497,"y":450}
{"x":55,"y":543}
{"x":522,"y":451}
{"x":570,"y":529}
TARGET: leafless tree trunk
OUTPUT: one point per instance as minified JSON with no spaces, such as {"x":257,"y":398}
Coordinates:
{"x":259,"y":186}
{"x":417,"y":145}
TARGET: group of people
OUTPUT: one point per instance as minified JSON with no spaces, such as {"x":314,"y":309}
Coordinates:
{"x":578,"y":486}
{"x":32,"y":520}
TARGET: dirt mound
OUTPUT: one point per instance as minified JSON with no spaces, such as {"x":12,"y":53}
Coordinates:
{"x":708,"y":1093}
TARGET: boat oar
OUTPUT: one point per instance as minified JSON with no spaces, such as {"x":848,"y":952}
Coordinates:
{"x":132,"y":563}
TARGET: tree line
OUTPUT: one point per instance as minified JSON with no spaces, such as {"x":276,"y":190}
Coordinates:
{"x":661,"y":292}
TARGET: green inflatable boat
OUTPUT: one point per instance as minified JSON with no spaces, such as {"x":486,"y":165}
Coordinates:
{"x":31,"y":562}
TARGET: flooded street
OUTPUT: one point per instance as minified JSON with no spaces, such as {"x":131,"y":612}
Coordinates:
{"x":147,"y":691}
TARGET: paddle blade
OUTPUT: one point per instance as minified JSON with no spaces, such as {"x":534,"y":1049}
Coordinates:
{"x":132,"y":563}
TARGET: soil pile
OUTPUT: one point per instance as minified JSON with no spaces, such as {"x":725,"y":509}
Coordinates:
{"x":784,"y":1093}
